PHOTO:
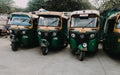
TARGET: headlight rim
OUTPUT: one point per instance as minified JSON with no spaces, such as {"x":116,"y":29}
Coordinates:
{"x":39,"y":33}
{"x":84,"y":45}
{"x":92,"y":35}
{"x":10,"y":31}
{"x":54,"y":34}
{"x":23,"y":32}
{"x":73,"y":35}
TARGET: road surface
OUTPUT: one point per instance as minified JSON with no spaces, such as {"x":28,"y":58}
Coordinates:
{"x":32,"y":62}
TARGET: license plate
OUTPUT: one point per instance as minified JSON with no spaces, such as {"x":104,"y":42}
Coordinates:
{"x":118,"y":40}
{"x":84,"y":49}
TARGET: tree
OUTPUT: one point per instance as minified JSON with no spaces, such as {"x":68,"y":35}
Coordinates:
{"x":58,"y":5}
{"x":67,"y":5}
{"x":34,"y":5}
{"x":5,"y":6}
{"x":111,"y":4}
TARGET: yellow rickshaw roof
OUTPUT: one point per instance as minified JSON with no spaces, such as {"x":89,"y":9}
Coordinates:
{"x":53,"y":13}
{"x":113,"y":15}
{"x":86,"y":12}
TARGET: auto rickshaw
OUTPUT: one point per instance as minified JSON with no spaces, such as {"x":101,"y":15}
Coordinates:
{"x":84,"y":32}
{"x":3,"y":25}
{"x":111,"y":42}
{"x":52,"y":31}
{"x":3,"y":30}
{"x":23,"y":30}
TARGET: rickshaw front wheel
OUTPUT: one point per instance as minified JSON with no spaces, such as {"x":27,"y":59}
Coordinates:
{"x":44,"y":50}
{"x":14,"y":47}
{"x":81,"y":55}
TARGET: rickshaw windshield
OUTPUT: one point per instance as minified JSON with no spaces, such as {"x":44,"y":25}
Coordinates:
{"x":20,"y":20}
{"x":48,"y":21}
{"x":84,"y":22}
{"x":118,"y":24}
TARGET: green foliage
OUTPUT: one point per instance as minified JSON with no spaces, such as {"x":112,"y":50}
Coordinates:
{"x":67,"y":5}
{"x":5,"y":6}
{"x":58,"y":5}
{"x":34,"y":5}
{"x":62,"y":5}
{"x":111,"y":4}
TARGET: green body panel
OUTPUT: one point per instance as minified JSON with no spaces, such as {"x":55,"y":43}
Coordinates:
{"x":15,"y":40}
{"x":73,"y":45}
{"x":111,"y":42}
{"x":92,"y":45}
{"x":55,"y":42}
{"x":39,"y":39}
{"x":24,"y":40}
{"x":32,"y":38}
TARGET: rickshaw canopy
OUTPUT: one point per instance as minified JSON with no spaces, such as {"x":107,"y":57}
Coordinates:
{"x":30,"y":15}
{"x":60,"y":14}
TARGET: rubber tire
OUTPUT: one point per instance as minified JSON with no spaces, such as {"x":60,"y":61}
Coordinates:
{"x":81,"y":56}
{"x":44,"y":50}
{"x":14,"y":47}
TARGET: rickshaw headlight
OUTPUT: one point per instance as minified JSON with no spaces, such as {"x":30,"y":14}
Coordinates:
{"x":82,"y":36}
{"x":92,"y":35}
{"x":84,"y":44}
{"x":10,"y":31}
{"x":23,"y":32}
{"x":73,"y":35}
{"x":54,"y":33}
{"x":39,"y":33}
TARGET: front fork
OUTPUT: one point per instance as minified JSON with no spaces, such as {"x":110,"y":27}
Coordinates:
{"x":82,"y":48}
{"x":44,"y":46}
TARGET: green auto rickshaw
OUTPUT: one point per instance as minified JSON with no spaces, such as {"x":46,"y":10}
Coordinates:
{"x":84,"y":32}
{"x":23,"y":30}
{"x":111,"y":42}
{"x":52,"y":31}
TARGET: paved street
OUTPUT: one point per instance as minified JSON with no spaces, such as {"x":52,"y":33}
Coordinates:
{"x":32,"y":62}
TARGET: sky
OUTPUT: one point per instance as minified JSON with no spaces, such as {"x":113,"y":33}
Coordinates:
{"x":21,"y":3}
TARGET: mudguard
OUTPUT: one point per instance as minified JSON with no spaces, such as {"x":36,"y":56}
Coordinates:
{"x":44,"y":43}
{"x":80,"y":47}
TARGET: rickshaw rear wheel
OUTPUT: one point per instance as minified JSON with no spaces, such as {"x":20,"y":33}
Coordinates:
{"x":14,"y":47}
{"x":81,"y":55}
{"x":44,"y":50}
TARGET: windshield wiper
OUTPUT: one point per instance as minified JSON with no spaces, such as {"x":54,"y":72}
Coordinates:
{"x":89,"y":23}
{"x":52,"y":23}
